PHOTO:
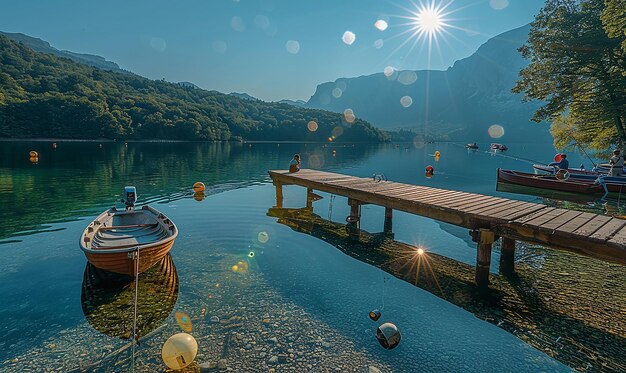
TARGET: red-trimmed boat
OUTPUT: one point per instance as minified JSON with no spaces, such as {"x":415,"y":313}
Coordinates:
{"x":128,"y":241}
{"x":550,"y":182}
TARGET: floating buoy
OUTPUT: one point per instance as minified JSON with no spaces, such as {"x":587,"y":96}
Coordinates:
{"x":34,"y":159}
{"x":388,"y":335}
{"x":184,"y":321}
{"x":54,"y":145}
{"x":430,"y":169}
{"x":437,"y":153}
{"x":33,"y":154}
{"x":198,"y":186}
{"x":179,"y":351}
{"x":199,"y":196}
{"x":100,"y":146}
{"x":375,"y":315}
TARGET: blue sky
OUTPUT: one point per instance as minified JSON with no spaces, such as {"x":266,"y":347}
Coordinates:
{"x":271,"y":49}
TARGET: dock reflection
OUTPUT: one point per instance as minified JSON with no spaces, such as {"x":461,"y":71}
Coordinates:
{"x":107,"y":299}
{"x":547,"y":314}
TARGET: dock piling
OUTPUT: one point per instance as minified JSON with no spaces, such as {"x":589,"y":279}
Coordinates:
{"x":507,"y":256}
{"x":279,"y":194}
{"x":388,"y":227}
{"x":309,"y":198}
{"x":486,"y":238}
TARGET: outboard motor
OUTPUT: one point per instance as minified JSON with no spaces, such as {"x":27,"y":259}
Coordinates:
{"x":130,"y":197}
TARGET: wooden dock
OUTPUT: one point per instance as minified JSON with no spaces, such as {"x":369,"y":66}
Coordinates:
{"x":488,"y":218}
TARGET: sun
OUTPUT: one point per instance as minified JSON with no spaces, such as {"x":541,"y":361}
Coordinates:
{"x":428,"y":20}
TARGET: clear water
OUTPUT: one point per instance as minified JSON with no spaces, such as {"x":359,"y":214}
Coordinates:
{"x":300,"y":290}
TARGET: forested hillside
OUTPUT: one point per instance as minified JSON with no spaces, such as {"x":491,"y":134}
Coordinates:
{"x":42,"y":95}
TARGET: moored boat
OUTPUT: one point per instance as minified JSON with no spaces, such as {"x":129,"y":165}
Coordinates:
{"x":550,"y":182}
{"x":496,"y":146}
{"x":128,"y":241}
{"x":472,"y":146}
{"x":551,"y":170}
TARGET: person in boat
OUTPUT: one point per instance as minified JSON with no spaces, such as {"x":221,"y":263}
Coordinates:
{"x":617,"y":163}
{"x":294,"y":165}
{"x":563,"y":164}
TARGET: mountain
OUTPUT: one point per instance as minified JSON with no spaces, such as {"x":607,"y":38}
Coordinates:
{"x":299,"y":103}
{"x":460,"y":103}
{"x":244,"y":96}
{"x":45,"y":96}
{"x":42,"y":46}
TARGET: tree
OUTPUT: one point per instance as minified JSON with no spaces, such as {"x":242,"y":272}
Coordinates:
{"x":577,"y":68}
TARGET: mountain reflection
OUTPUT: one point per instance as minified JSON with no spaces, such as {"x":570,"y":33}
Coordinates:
{"x":107,"y":299}
{"x":81,"y":178}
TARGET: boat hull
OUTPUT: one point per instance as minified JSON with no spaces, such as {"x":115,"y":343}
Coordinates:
{"x":128,"y":242}
{"x":125,"y":263}
{"x":548,"y":182}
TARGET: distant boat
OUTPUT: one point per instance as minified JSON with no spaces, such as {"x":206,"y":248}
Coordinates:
{"x":496,"y":146}
{"x":116,"y":239}
{"x":472,"y":146}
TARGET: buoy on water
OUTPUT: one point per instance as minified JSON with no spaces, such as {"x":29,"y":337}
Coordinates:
{"x":388,"y":335}
{"x":198,"y":186}
{"x":437,"y":153}
{"x":375,"y":315}
{"x":34,"y":159}
{"x":33,"y":154}
{"x":54,"y":145}
{"x":179,"y":351}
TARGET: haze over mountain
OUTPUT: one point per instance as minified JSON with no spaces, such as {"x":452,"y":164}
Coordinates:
{"x":39,"y":45}
{"x":460,"y":103}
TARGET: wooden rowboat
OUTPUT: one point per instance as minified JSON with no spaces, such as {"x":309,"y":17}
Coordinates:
{"x":549,"y":182}
{"x":116,"y":239}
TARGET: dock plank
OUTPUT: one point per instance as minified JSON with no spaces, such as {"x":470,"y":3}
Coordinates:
{"x":607,"y":231}
{"x":544,"y":218}
{"x":576,"y":223}
{"x":592,"y":225}
{"x":560,"y":220}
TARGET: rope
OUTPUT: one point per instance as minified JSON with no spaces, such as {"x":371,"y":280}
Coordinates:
{"x":135,"y":313}
{"x":383,"y":297}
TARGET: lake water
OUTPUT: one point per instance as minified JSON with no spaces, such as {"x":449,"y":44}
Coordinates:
{"x":293,"y":303}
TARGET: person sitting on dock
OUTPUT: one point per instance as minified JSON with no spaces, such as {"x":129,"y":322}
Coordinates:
{"x":294,"y":165}
{"x":617,"y":163}
{"x":563,"y":164}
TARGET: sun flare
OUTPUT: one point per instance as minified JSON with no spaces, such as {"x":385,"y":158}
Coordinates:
{"x":429,"y":20}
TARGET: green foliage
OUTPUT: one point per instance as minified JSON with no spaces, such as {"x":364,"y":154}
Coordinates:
{"x":42,"y":95}
{"x":577,"y":68}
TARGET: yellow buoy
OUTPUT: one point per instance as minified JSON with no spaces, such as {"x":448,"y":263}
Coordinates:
{"x":179,"y":351}
{"x":34,"y":159}
{"x":437,"y":154}
{"x":198,"y":186}
{"x":33,"y":154}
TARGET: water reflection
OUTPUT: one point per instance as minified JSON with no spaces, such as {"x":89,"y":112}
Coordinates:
{"x":107,"y":299}
{"x":80,"y":178}
{"x":551,"y":317}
